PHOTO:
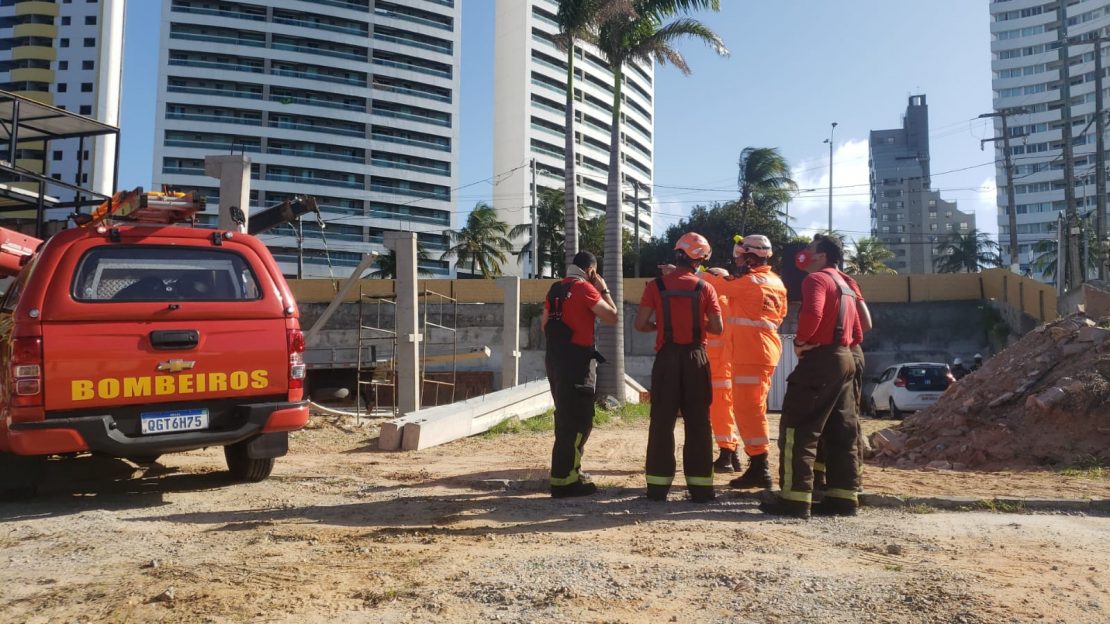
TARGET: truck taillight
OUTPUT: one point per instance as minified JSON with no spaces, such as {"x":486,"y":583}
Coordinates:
{"x":296,"y":359}
{"x":27,"y":371}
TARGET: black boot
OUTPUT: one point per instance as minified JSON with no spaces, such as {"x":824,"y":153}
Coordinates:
{"x":726,"y":462}
{"x":831,"y":506}
{"x":657,"y":492}
{"x":778,"y":506}
{"x":578,"y":488}
{"x":758,"y":474}
{"x":736,"y":461}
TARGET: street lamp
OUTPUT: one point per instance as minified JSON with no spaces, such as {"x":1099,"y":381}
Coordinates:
{"x":830,"y":142}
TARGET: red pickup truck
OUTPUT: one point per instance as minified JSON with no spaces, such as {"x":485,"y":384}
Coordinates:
{"x":135,"y":340}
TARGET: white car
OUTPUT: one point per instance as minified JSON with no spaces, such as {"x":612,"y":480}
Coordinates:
{"x":909,"y":387}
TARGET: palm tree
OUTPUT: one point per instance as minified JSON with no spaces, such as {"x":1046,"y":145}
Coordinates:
{"x":386,"y":264}
{"x":578,"y":20}
{"x":764,"y":181}
{"x":642,"y":38}
{"x":549,"y":212}
{"x":1044,"y":258}
{"x":483,"y":243}
{"x":971,"y":252}
{"x":869,"y":258}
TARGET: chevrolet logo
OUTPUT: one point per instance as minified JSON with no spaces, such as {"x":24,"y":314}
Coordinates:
{"x":176,"y":366}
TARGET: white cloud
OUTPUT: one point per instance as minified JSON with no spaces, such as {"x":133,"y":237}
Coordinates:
{"x":851,"y":190}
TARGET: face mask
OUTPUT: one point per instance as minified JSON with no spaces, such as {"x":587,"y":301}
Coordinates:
{"x":802,"y":260}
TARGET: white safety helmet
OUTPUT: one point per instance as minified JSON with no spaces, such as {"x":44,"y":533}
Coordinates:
{"x":755,"y":244}
{"x":957,"y":362}
{"x":978,"y":357}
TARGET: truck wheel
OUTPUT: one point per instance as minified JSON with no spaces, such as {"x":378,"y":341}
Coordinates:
{"x":19,"y":476}
{"x":244,"y":468}
{"x":144,"y":460}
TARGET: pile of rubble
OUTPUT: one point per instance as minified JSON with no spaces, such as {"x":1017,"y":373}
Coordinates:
{"x":1044,"y":401}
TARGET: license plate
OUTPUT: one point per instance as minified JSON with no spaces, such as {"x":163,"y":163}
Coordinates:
{"x":928,"y":397}
{"x":170,"y":422}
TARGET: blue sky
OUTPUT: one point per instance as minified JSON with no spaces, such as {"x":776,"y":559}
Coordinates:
{"x":796,"y":66}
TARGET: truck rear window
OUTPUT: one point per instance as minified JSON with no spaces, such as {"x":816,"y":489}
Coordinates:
{"x":151,"y":273}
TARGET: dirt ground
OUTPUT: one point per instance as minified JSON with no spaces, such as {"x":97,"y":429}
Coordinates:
{"x":466,"y":533}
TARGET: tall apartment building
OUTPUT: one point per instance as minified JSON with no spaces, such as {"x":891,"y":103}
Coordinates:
{"x":529,"y":84}
{"x":906,"y":214}
{"x":355,"y":102}
{"x":67,"y":53}
{"x":1025,"y":60}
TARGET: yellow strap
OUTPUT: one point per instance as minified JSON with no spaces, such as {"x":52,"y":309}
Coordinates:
{"x":707,"y":481}
{"x":654,"y":480}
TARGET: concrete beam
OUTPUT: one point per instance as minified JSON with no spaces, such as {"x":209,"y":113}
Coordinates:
{"x":510,"y":336}
{"x":407,"y":321}
{"x":234,"y":173}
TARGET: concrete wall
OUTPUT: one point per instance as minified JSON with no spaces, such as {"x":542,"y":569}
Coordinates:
{"x":926,"y":331}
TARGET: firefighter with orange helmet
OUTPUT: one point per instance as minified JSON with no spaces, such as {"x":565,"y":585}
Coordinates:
{"x":682,"y":309}
{"x":757,"y":306}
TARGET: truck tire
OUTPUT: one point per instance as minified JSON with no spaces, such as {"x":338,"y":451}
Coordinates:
{"x":245,"y":468}
{"x":144,"y":460}
{"x":19,"y":476}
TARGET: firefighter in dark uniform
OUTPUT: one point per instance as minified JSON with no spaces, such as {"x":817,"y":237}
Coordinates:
{"x":820,"y":393}
{"x":863,"y":325}
{"x":569,"y":312}
{"x":681,"y":309}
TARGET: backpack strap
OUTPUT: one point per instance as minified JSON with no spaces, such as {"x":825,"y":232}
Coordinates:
{"x":694,"y":296}
{"x":556,"y":297}
{"x":847,"y":298}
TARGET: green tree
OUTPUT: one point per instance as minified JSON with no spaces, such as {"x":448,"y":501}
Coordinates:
{"x":642,"y":38}
{"x":869,"y":258}
{"x":549,"y":213}
{"x":764,"y":182}
{"x":483,"y":243}
{"x":578,"y":20}
{"x":385,"y":267}
{"x":971,"y":252}
{"x":1044,"y":255}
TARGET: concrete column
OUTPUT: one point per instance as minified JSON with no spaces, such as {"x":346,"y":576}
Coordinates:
{"x":407,"y":321}
{"x":510,"y":336}
{"x":234,"y":173}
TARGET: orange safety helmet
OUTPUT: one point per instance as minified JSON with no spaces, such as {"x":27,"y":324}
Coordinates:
{"x":694,"y":246}
{"x":755,"y":244}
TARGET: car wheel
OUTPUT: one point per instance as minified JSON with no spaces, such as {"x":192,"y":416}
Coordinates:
{"x":894,"y":411}
{"x":874,"y":409}
{"x":245,"y":468}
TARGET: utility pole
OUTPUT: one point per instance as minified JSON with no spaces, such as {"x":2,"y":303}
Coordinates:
{"x":830,"y":142}
{"x":636,"y":227}
{"x":535,"y":227}
{"x":1061,"y":224}
{"x":1071,"y":255}
{"x":300,"y":248}
{"x":1011,"y":207}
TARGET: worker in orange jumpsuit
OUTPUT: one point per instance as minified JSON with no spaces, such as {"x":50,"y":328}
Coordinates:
{"x":725,"y":431}
{"x":757,"y":306}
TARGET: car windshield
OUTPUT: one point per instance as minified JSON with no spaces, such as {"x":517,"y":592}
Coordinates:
{"x":925,"y":377}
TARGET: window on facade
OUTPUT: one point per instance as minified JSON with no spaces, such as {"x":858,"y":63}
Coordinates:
{"x":932,"y":227}
{"x":87,"y":64}
{"x":90,"y":20}
{"x":64,"y":43}
{"x":90,"y":42}
{"x":63,"y":65}
{"x":86,"y":87}
{"x":65,"y":20}
{"x":62,"y":87}
{"x":57,"y":154}
{"x":932,"y":203}
{"x":932,"y":214}
{"x":949,"y":227}
{"x":947,"y":214}
{"x":86,"y":109}
{"x":963,"y":227}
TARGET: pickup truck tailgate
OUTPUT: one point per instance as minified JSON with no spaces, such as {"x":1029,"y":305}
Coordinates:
{"x":132,"y":363}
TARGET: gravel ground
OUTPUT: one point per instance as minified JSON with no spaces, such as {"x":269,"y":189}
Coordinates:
{"x":465,"y":533}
